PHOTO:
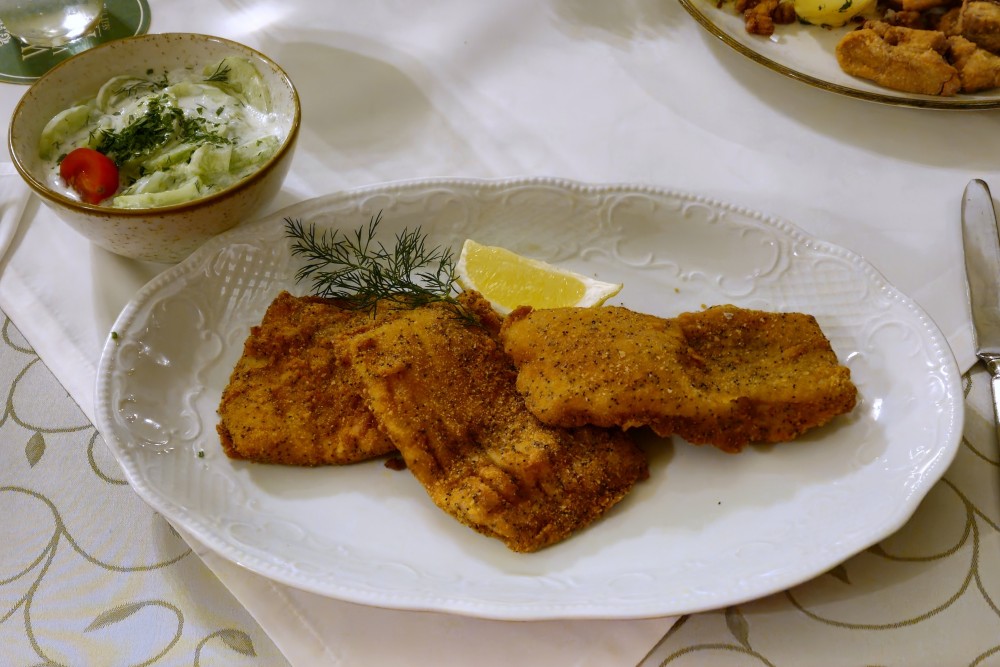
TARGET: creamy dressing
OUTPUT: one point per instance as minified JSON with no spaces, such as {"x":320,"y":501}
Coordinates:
{"x":175,"y":136}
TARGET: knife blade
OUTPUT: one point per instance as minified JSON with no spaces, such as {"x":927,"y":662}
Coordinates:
{"x":981,"y":241}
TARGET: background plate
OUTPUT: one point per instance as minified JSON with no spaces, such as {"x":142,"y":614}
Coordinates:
{"x":807,"y":53}
{"x":705,"y":531}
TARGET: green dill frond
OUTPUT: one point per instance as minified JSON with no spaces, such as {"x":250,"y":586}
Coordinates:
{"x":158,"y":126}
{"x":143,"y":86}
{"x":221,"y":73}
{"x":153,"y":129}
{"x":362,"y":271}
{"x":198,"y":130}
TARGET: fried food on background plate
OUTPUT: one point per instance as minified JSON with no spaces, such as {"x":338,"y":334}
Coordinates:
{"x":933,"y":62}
{"x":288,"y":400}
{"x":443,"y":390}
{"x":978,"y":69}
{"x":899,"y":58}
{"x":979,"y":22}
{"x":725,"y":376}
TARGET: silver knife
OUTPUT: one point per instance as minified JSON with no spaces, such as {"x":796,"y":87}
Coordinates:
{"x":982,"y":270}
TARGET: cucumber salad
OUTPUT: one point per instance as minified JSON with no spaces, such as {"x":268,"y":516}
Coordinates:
{"x":163,"y":138}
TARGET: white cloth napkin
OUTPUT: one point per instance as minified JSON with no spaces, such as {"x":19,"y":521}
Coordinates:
{"x":313,"y":630}
{"x":14,"y":195}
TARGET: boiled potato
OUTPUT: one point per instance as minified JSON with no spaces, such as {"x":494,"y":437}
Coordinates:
{"x":830,"y":12}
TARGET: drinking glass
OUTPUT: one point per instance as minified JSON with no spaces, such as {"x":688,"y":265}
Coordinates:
{"x":48,"y":23}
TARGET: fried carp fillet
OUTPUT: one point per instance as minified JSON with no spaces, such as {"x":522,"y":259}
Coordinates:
{"x":979,"y":69}
{"x":289,"y":399}
{"x":899,"y":58}
{"x":980,"y":23}
{"x":725,"y":376}
{"x":444,"y":392}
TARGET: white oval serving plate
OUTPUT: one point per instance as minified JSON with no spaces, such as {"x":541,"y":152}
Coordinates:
{"x":706,"y":530}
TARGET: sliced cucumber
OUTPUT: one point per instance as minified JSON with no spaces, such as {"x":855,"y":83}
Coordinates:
{"x":119,"y":88}
{"x":185,"y":193}
{"x":63,"y":125}
{"x":240,"y":76}
{"x":210,"y":162}
{"x":170,"y":157}
{"x":253,"y":153}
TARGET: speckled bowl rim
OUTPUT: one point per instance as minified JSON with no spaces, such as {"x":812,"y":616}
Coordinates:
{"x":44,"y":191}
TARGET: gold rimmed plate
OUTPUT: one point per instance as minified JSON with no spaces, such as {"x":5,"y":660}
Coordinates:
{"x":806,"y":53}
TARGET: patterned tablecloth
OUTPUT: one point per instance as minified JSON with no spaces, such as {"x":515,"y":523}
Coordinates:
{"x":89,"y":572}
{"x":600,"y":92}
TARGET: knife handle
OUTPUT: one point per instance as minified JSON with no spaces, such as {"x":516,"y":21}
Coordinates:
{"x":993,"y":366}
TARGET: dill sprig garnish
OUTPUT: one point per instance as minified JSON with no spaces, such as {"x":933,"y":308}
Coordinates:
{"x":142,"y":136}
{"x":159,"y":125}
{"x":221,"y":73}
{"x":361,"y":271}
{"x":199,"y":130}
{"x":143,"y":86}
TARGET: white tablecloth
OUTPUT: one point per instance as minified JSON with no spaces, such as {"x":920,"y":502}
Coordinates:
{"x":632,"y":91}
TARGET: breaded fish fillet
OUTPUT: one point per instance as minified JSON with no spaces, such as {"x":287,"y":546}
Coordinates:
{"x":724,"y":376}
{"x":289,"y":400}
{"x":444,"y":391}
{"x":606,"y":366}
{"x":978,"y":68}
{"x":779,"y":367}
{"x":980,"y":23}
{"x":899,"y":58}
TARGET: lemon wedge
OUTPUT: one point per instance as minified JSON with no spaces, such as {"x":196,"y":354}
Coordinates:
{"x":508,"y":280}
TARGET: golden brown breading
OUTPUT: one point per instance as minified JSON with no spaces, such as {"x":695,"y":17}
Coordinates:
{"x":979,"y":21}
{"x":444,"y":392}
{"x":779,"y":368}
{"x":288,"y":400}
{"x":607,"y":366}
{"x":950,"y":22}
{"x":725,"y":376}
{"x":978,"y":69}
{"x":923,"y":5}
{"x":899,"y":58}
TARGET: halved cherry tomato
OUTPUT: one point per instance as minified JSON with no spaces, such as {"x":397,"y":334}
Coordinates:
{"x":93,"y":175}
